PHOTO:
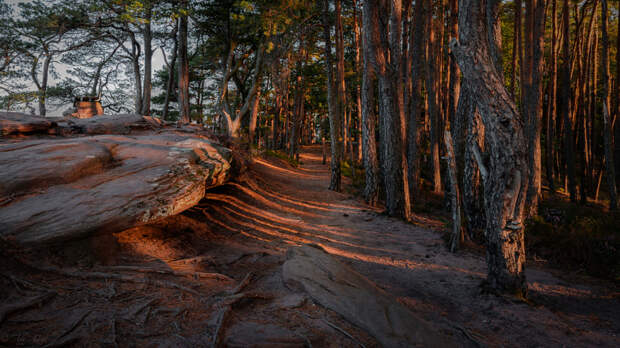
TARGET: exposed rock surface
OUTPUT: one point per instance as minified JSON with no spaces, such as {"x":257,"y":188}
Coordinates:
{"x":56,"y":188}
{"x":18,"y":123}
{"x":341,"y":289}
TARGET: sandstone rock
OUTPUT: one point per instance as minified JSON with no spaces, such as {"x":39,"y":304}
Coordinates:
{"x":341,"y":289}
{"x":55,"y":189}
{"x":18,"y":123}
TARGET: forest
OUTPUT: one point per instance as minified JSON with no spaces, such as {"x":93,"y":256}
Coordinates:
{"x":310,"y":173}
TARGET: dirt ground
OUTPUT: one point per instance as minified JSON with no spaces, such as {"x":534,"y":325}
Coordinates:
{"x":212,"y":276}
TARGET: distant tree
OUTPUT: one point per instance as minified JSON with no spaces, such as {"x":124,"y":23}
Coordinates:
{"x":47,"y":30}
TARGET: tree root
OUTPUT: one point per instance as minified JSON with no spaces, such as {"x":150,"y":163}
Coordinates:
{"x":120,"y":277}
{"x":64,"y":339}
{"x":35,"y":301}
{"x":341,"y":330}
{"x":179,"y":273}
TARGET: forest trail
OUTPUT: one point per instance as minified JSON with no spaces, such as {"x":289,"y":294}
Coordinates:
{"x":282,"y":206}
{"x":212,"y":276}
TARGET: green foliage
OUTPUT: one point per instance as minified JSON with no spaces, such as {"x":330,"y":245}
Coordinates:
{"x":354,"y":172}
{"x":283,"y":156}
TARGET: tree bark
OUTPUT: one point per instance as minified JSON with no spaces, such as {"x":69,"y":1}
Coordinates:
{"x":609,"y":156}
{"x":431,"y":86}
{"x":417,"y":63}
{"x":171,"y":68}
{"x":504,"y":167}
{"x":369,"y":119}
{"x":397,"y":200}
{"x":148,"y":56}
{"x":564,"y":101}
{"x":334,"y":115}
{"x":535,"y":13}
{"x":552,"y":102}
{"x":455,"y":200}
{"x":184,"y":109}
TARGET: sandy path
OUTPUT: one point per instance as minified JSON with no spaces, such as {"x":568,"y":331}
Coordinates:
{"x":284,"y":206}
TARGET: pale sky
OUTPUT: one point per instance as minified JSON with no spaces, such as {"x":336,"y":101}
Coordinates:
{"x":158,"y":63}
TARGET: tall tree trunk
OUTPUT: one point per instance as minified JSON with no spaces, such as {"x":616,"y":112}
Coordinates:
{"x":535,"y":13}
{"x":609,"y":156}
{"x":504,"y":168}
{"x":564,"y":101}
{"x":184,"y":111}
{"x":341,"y":88}
{"x":431,"y":86}
{"x":552,"y":102}
{"x":616,"y":93}
{"x":358,"y":70}
{"x":171,"y":68}
{"x":417,"y":63}
{"x":457,"y":235}
{"x":454,"y":85}
{"x":148,"y":56}
{"x":254,"y":117}
{"x":334,"y":115}
{"x":43,"y":86}
{"x":369,"y":119}
{"x":397,"y":198}
{"x":515,"y":47}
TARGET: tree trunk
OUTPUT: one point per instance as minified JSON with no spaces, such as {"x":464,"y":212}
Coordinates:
{"x":433,"y":107}
{"x":171,"y":68}
{"x":340,"y":83}
{"x":369,"y":119}
{"x":394,"y":159}
{"x":43,"y":86}
{"x":417,"y":63}
{"x":552,"y":102}
{"x":564,"y":101}
{"x":184,"y":110}
{"x":535,"y":13}
{"x":148,"y":55}
{"x":457,"y":236}
{"x":358,"y":68}
{"x":334,"y":115}
{"x":609,"y":156}
{"x":515,"y":47}
{"x":454,"y":85}
{"x":254,"y":117}
{"x":504,"y":168}
{"x":137,"y":76}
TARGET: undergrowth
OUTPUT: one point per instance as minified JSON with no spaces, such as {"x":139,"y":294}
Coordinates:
{"x":283,"y":156}
{"x":576,"y":236}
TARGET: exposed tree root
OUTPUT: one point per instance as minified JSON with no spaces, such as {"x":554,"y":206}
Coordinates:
{"x":341,"y":330}
{"x":64,"y":338}
{"x":120,"y":277}
{"x":17,"y":307}
{"x":179,"y":273}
